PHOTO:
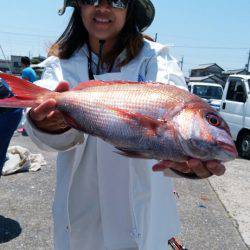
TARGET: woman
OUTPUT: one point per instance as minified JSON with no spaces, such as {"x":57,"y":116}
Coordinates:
{"x":104,"y":200}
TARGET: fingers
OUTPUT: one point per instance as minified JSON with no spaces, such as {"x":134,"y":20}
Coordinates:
{"x":45,"y":116}
{"x":215,"y":167}
{"x":199,"y":168}
{"x":179,"y":166}
{"x":47,"y":108}
{"x":62,"y":87}
{"x":43,"y":110}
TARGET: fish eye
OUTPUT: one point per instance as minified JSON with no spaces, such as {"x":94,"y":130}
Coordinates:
{"x":213,"y":120}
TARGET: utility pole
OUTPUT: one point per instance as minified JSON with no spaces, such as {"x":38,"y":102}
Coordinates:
{"x":3,"y":53}
{"x":5,"y":58}
{"x":247,"y":65}
{"x":181,"y":62}
{"x":156,"y":35}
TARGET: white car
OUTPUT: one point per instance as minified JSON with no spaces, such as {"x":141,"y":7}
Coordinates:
{"x":210,"y":92}
{"x":235,"y":109}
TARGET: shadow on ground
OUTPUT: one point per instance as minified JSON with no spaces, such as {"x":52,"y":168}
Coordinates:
{"x":9,"y":229}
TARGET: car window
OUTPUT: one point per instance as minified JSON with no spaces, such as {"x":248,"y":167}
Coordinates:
{"x":236,"y":91}
{"x":208,"y":92}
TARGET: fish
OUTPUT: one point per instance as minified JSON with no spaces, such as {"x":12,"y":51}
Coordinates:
{"x":149,"y":120}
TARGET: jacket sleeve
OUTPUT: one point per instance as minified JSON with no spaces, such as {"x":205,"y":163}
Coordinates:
{"x":164,"y":68}
{"x":47,"y":141}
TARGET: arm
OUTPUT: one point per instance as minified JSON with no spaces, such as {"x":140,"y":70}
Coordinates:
{"x":164,"y":68}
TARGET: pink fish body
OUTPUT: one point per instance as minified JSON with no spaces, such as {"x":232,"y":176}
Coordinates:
{"x":145,"y":120}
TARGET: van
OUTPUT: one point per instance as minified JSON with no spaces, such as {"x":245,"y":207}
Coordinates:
{"x":210,"y":92}
{"x":235,"y":109}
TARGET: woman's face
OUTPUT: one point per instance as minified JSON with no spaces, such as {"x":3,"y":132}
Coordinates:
{"x":103,"y":22}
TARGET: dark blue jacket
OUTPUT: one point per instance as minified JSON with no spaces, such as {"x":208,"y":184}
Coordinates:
{"x":4,"y":93}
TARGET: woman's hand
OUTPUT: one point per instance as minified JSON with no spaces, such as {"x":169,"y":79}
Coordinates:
{"x":193,"y":166}
{"x":46,"y":117}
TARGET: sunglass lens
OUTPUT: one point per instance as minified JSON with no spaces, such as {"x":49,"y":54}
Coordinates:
{"x":120,"y":4}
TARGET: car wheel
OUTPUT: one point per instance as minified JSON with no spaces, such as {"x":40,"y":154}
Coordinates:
{"x":244,"y":146}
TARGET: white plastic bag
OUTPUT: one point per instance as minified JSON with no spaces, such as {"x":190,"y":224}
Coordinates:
{"x":21,"y":160}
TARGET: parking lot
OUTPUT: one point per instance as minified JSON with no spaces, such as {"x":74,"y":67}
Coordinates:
{"x":214,"y":213}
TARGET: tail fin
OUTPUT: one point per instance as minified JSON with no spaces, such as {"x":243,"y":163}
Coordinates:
{"x":25,"y":93}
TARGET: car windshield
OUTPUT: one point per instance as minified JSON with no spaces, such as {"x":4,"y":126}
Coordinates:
{"x":208,"y":92}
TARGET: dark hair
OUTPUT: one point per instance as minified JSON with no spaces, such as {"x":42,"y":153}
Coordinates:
{"x":25,"y":60}
{"x":76,"y":35}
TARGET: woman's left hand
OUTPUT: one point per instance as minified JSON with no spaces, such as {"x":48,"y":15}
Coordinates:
{"x":193,"y":166}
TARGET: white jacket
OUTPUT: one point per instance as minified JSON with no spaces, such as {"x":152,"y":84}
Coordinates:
{"x":104,"y":201}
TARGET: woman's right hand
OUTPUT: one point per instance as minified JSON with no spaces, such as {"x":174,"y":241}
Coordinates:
{"x":46,"y":117}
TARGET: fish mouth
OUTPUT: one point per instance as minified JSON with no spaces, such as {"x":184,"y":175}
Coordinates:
{"x":229,"y":149}
{"x":220,"y":150}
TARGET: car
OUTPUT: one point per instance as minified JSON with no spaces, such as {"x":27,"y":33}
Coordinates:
{"x":210,"y":92}
{"x":235,"y":109}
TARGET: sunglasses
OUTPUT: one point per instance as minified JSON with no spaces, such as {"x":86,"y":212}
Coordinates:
{"x":119,"y":4}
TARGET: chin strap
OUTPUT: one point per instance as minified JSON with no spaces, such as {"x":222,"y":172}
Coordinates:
{"x":101,"y":45}
{"x":175,"y":244}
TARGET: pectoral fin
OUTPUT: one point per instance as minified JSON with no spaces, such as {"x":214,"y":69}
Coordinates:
{"x":150,"y":124}
{"x":130,"y":153}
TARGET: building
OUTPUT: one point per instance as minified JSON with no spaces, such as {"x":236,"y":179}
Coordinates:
{"x":226,"y":74}
{"x":5,"y":65}
{"x":11,"y":66}
{"x":210,"y":72}
{"x":206,"y":69}
{"x":213,"y":73}
{"x":16,"y":66}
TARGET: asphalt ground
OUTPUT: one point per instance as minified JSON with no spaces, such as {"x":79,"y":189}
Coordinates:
{"x":214,"y":213}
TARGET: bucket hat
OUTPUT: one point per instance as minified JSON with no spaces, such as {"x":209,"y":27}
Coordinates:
{"x":145,"y":12}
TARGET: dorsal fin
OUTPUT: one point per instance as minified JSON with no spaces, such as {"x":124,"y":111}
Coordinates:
{"x":93,"y":83}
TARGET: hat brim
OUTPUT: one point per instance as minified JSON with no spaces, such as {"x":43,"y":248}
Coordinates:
{"x":145,"y":12}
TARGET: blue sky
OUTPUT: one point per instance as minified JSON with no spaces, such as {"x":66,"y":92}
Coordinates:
{"x":198,"y":30}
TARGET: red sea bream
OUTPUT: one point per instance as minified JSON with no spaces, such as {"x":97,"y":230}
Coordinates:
{"x":145,"y":120}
